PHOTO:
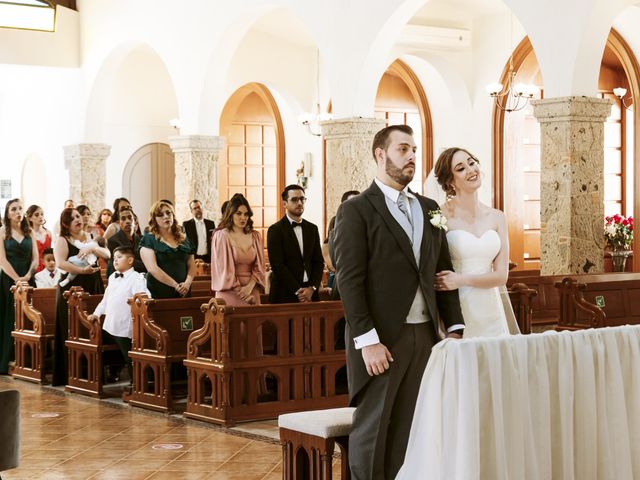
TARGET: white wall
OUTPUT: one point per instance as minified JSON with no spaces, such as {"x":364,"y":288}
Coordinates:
{"x":39,"y":113}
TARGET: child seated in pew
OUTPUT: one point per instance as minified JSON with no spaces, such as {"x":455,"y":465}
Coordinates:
{"x":123,"y":284}
{"x":85,"y":261}
{"x":49,"y":276}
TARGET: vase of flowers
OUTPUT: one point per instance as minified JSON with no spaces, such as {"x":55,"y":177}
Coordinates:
{"x":618,"y":234}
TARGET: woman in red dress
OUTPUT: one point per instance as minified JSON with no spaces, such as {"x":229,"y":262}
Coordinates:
{"x":42,"y":236}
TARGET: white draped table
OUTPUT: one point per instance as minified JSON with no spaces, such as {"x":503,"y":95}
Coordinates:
{"x":560,"y":406}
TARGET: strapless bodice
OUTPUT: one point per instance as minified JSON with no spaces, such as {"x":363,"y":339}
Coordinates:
{"x":471,"y":254}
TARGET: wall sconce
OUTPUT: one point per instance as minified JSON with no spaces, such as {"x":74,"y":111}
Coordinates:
{"x":304,"y":171}
{"x":175,"y":123}
{"x":620,"y":92}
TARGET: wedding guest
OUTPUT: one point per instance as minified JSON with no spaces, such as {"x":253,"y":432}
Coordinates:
{"x":104,"y":219}
{"x":50,"y":275}
{"x":325,"y":247}
{"x":114,"y":226}
{"x":73,"y":241}
{"x":167,"y":254}
{"x":126,"y":237}
{"x":85,"y":213}
{"x":237,"y":263}
{"x":123,"y":284}
{"x":42,"y":236}
{"x":18,"y":261}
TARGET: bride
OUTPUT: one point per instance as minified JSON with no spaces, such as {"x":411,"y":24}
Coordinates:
{"x":479,"y":247}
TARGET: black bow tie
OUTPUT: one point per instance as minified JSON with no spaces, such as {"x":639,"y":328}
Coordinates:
{"x":118,"y":275}
{"x":296,"y":224}
{"x":52,"y":274}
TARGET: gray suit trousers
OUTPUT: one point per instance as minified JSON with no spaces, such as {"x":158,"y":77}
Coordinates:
{"x":384,"y":408}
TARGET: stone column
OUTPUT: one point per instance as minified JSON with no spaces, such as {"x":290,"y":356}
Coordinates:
{"x":572,"y":183}
{"x":86,"y":163}
{"x":349,"y":164}
{"x":196,"y":167}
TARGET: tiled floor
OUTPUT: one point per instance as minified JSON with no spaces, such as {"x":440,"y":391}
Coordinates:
{"x":99,"y":440}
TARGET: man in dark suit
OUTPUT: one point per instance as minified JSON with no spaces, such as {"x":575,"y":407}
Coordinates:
{"x":386,"y":255}
{"x":125,"y":237}
{"x":295,"y":253}
{"x":198,"y":231}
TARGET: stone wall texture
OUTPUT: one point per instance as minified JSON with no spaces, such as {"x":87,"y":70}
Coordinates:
{"x":349,"y":162}
{"x":196,"y":170}
{"x":572,"y":183}
{"x":86,"y":163}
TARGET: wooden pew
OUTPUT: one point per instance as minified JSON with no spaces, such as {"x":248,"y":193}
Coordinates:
{"x":201,"y":287}
{"x":592,"y":301}
{"x":546,"y":308}
{"x":522,"y":298}
{"x":85,"y":344}
{"x":202,"y":269}
{"x":228,"y":368}
{"x":160,"y":332}
{"x":34,"y":331}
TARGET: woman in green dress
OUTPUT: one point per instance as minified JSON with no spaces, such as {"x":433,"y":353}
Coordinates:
{"x":167,"y":254}
{"x":18,"y":260}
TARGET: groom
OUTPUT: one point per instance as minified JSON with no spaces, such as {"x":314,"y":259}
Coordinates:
{"x":386,"y":255}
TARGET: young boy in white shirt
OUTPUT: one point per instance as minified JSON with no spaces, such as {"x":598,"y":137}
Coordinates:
{"x":123,"y":283}
{"x":49,"y":276}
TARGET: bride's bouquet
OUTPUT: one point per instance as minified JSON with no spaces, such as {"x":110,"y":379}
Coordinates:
{"x":618,"y":232}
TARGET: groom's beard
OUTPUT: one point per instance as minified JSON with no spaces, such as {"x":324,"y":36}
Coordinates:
{"x":397,"y":174}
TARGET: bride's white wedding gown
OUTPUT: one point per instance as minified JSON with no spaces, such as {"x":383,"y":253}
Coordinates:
{"x":484,"y":315}
{"x":482,"y":308}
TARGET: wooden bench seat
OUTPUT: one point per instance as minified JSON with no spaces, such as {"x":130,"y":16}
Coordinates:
{"x":34,"y":331}
{"x":85,"y":344}
{"x":160,"y":332}
{"x":230,"y":364}
{"x":308,"y":440}
{"x":605,"y":300}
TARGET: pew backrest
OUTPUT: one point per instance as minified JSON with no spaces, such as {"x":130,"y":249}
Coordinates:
{"x":164,"y":325}
{"x":35,"y":308}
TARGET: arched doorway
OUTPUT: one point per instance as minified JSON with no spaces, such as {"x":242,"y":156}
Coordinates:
{"x":401,"y":100}
{"x":516,"y":150}
{"x":34,"y":181}
{"x":255,"y":153}
{"x":149,"y":175}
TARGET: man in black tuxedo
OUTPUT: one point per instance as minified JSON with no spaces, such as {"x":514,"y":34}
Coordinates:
{"x":125,"y":237}
{"x":386,"y":255}
{"x":198,"y":231}
{"x":295,"y":253}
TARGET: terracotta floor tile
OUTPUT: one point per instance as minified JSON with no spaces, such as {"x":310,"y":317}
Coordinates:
{"x":120,"y":474}
{"x":163,"y":475}
{"x":192,"y":466}
{"x":97,"y":440}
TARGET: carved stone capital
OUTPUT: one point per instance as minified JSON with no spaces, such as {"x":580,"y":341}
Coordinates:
{"x":196,"y":143}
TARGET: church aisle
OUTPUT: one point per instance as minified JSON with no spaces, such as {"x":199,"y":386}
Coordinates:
{"x":66,"y":437}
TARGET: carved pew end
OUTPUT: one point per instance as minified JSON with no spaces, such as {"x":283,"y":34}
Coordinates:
{"x":308,"y":440}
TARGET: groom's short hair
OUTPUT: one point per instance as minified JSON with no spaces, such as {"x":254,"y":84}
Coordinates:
{"x":381,"y":140}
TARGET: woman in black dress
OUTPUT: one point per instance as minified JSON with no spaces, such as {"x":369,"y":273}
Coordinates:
{"x":73,"y":241}
{"x":167,"y":254}
{"x":18,"y":261}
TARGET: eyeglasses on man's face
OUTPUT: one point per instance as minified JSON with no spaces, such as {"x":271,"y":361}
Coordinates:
{"x":298,"y":199}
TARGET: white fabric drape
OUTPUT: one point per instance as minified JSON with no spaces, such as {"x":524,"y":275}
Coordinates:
{"x":561,"y":406}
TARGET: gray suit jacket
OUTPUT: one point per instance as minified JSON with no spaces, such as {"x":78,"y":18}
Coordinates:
{"x":378,"y":273}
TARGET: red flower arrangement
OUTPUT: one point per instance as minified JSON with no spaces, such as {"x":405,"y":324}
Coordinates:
{"x":618,"y":232}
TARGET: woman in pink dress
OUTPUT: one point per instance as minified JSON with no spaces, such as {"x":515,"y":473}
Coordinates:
{"x":237,"y":256}
{"x":42,"y":236}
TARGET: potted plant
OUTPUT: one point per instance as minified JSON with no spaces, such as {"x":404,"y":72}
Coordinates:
{"x":618,"y":234}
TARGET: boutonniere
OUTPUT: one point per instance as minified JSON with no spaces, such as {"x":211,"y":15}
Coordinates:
{"x":438,"y":220}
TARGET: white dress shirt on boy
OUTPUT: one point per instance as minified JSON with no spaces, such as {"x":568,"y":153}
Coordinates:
{"x":114,"y":306}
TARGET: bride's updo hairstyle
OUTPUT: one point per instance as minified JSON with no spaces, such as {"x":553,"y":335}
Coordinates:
{"x":443,"y":171}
